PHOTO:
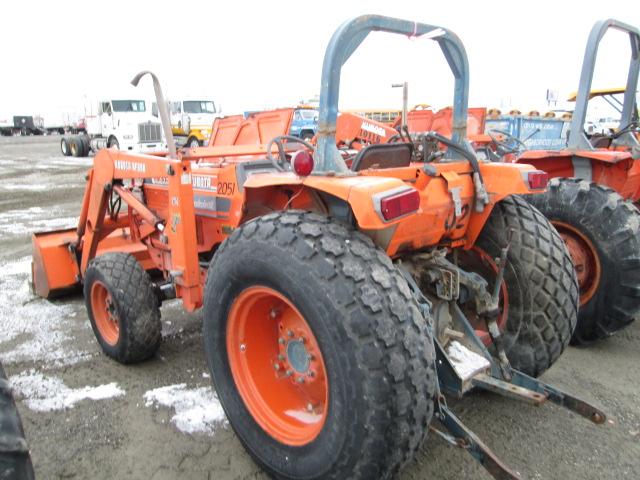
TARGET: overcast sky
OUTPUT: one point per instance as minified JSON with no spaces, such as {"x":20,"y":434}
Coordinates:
{"x":254,"y":55}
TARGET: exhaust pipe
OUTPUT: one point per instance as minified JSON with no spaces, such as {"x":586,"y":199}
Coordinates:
{"x":162,"y":109}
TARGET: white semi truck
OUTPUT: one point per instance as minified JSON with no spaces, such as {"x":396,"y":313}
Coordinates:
{"x":122,"y":124}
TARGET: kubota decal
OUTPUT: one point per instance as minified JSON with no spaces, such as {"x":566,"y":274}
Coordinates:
{"x":131,"y":166}
{"x":375,"y":129}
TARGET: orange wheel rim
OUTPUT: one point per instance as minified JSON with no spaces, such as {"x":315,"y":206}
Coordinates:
{"x":104,"y":313}
{"x":277,"y":366}
{"x":478,"y":261}
{"x":585,"y":259}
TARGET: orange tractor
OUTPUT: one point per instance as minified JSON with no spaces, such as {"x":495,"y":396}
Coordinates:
{"x":595,"y":182}
{"x":340,"y":303}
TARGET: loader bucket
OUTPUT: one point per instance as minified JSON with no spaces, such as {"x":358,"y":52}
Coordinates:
{"x":54,"y":268}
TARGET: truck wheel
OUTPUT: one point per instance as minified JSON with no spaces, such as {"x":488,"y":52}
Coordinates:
{"x":602,"y":232}
{"x":86,"y":145}
{"x":318,"y":352}
{"x":193,"y":142}
{"x":64,"y":147}
{"x":113,"y":143}
{"x":15,"y":461}
{"x":539,"y":298}
{"x":122,"y":307}
{"x":76,"y":146}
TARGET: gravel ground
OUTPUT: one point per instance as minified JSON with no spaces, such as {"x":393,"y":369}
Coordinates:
{"x":86,"y":416}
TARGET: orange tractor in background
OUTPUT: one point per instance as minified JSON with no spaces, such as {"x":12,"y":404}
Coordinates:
{"x":595,"y":182}
{"x":341,"y":299}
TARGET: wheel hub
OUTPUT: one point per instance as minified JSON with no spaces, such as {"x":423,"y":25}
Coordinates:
{"x":104,"y":313}
{"x":277,"y":366}
{"x":298,"y":356}
{"x":584,"y":257}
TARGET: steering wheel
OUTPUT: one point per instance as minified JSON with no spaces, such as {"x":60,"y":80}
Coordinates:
{"x":510,"y":144}
{"x":629,"y":128}
{"x":281,"y":162}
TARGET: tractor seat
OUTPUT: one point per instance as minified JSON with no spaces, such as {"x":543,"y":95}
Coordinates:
{"x":383,"y":155}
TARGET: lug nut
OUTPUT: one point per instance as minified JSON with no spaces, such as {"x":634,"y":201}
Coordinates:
{"x":281,"y":341}
{"x":290,"y":333}
{"x":273,"y":313}
{"x":276,"y":366}
{"x":309,"y":407}
{"x":280,"y":357}
{"x":300,"y":380}
{"x":243,"y":347}
{"x":289,"y":373}
{"x":311,"y":373}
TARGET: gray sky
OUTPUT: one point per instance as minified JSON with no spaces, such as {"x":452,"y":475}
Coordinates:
{"x":254,"y":55}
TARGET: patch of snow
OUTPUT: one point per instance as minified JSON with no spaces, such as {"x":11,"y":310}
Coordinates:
{"x":466,"y":362}
{"x":46,"y":394}
{"x":29,"y":220}
{"x":33,"y":329}
{"x":197,"y":410}
{"x":33,"y":187}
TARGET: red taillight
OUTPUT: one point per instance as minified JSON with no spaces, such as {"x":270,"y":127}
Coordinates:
{"x":302,"y":163}
{"x":538,"y":179}
{"x":399,"y":204}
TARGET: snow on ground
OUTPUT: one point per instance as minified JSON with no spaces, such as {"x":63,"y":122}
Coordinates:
{"x":27,"y":220}
{"x":45,"y":394}
{"x":33,"y":329}
{"x":466,"y":362}
{"x":197,"y":410}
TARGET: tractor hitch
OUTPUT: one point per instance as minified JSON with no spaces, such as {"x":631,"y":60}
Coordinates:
{"x":464,"y":363}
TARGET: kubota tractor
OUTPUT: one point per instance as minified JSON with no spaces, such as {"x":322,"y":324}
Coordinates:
{"x":340,"y":303}
{"x":595,"y":182}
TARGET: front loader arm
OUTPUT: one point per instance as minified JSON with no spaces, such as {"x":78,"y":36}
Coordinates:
{"x":178,"y":230}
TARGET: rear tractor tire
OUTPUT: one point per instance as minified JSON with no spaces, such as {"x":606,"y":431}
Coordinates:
{"x":318,"y":351}
{"x":122,"y":307}
{"x":539,"y":298}
{"x":15,"y":460}
{"x":602,"y":232}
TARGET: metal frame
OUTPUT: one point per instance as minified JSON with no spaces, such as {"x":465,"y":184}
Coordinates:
{"x":577,"y":138}
{"x":342,"y":45}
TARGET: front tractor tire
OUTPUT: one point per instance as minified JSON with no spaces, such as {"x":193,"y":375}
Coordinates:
{"x":540,"y":284}
{"x":602,"y":232}
{"x":318,"y":351}
{"x":122,"y":307}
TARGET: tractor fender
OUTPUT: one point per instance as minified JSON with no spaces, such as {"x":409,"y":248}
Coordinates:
{"x":358,"y":192}
{"x":501,"y":180}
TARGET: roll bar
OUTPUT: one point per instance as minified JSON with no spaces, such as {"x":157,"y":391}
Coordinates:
{"x":345,"y":41}
{"x":577,"y":138}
